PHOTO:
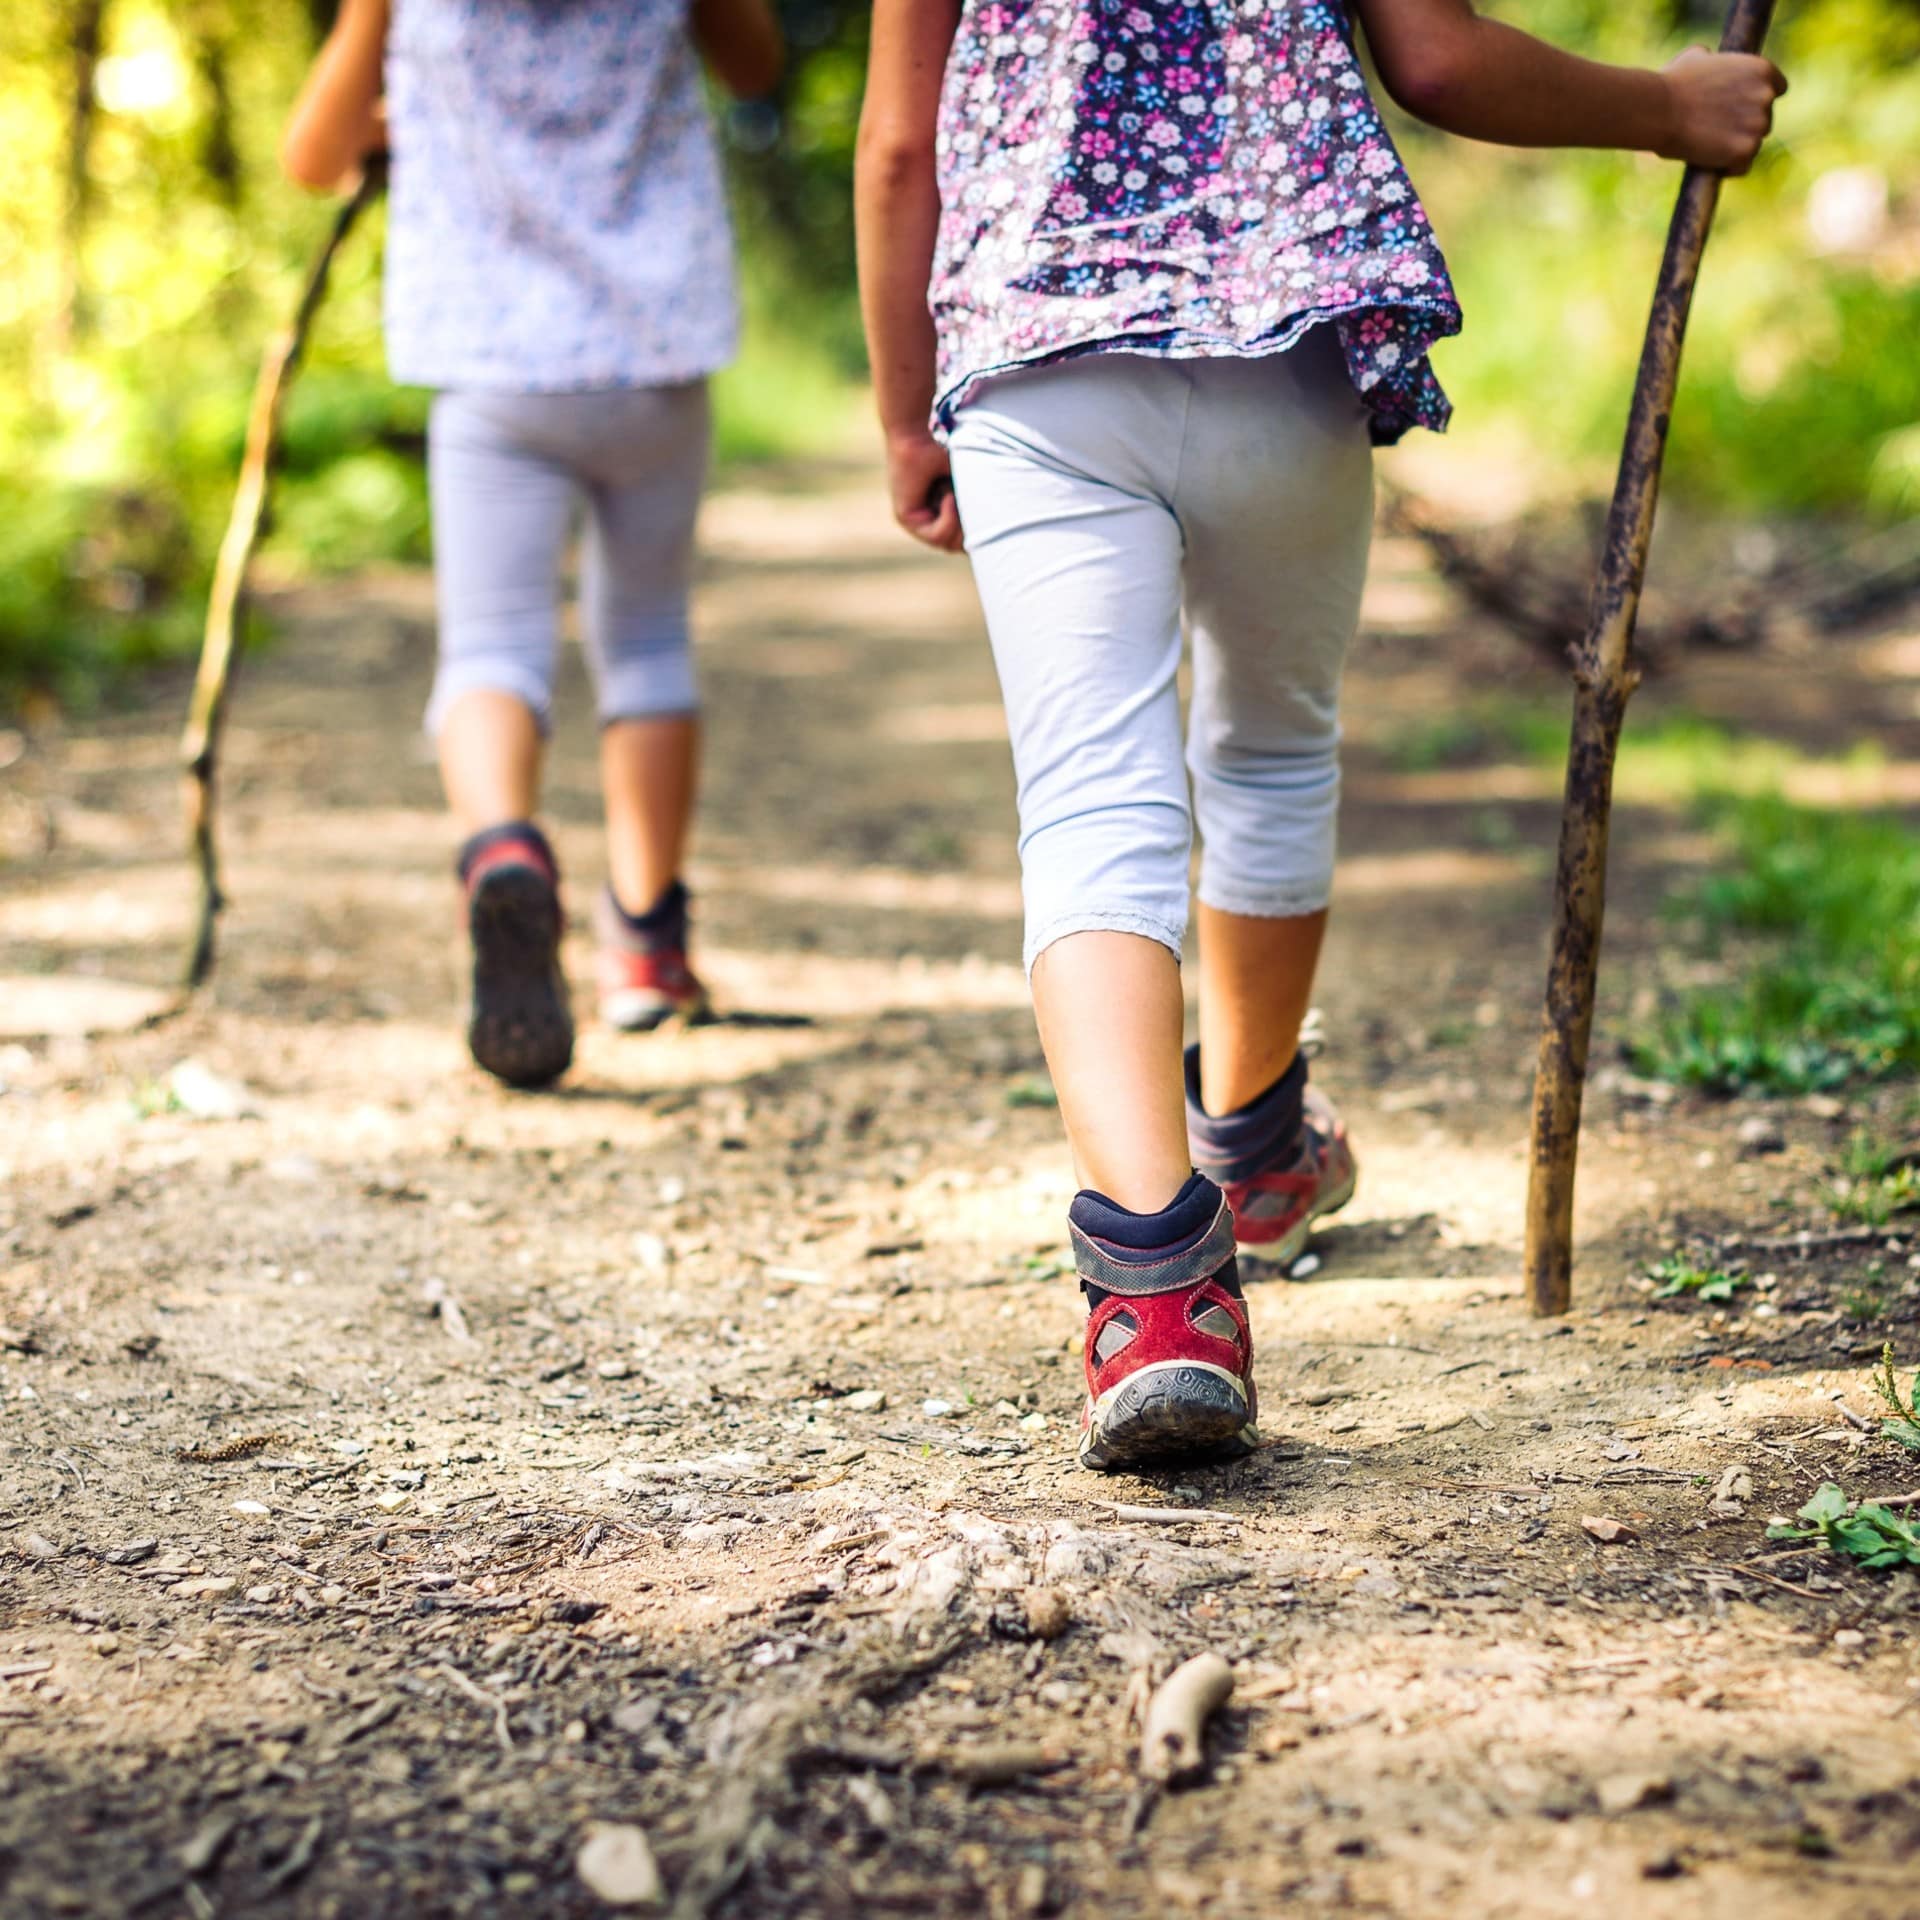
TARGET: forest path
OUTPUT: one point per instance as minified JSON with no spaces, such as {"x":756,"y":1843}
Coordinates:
{"x":552,"y":1503}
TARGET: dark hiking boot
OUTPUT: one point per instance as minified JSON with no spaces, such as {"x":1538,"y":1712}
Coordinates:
{"x":521,"y":1029}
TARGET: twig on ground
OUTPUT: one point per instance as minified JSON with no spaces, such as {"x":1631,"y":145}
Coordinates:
{"x":1166,"y":1516}
{"x":445,"y":1302}
{"x":1807,"y":1242}
{"x":993,"y":1763}
{"x":1479,"y":1486}
{"x":1171,"y":1747}
{"x":481,"y":1697}
{"x":1752,"y":1573}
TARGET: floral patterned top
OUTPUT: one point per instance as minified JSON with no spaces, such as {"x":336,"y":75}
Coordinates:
{"x":1182,"y":177}
{"x":557,"y":221}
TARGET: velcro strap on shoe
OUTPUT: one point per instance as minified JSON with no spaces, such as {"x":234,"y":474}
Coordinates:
{"x":1124,"y":1270}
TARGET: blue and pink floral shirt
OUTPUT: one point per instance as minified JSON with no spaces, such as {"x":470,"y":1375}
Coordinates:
{"x":1182,"y":177}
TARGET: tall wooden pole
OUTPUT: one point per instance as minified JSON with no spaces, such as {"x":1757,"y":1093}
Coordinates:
{"x":200,"y":743}
{"x":1604,"y":677}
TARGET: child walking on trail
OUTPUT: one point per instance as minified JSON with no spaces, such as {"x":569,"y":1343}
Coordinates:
{"x":559,"y":268}
{"x":1144,"y":281}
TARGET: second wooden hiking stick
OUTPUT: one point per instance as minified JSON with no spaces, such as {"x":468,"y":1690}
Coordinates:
{"x":1604,"y":677}
{"x":200,"y":742}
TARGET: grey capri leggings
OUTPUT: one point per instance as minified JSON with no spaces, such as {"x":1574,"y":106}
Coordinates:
{"x":1104,"y":498}
{"x":506,"y":472}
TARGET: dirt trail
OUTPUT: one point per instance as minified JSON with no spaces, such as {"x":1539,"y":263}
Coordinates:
{"x":546,"y":1495}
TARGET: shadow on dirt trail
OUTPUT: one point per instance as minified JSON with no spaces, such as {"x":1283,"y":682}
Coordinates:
{"x":401,"y":1476}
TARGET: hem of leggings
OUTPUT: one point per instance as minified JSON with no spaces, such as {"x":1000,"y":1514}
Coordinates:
{"x":446,"y":693}
{"x":1111,"y":921}
{"x":1268,"y":906}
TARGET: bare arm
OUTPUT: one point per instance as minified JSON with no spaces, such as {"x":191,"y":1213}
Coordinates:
{"x":741,"y":41}
{"x":1445,"y":64}
{"x":896,"y":204}
{"x":337,"y":121}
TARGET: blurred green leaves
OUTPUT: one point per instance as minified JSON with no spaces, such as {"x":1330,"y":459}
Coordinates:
{"x":1801,"y":387}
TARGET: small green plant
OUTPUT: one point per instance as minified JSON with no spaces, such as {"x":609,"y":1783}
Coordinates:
{"x":1874,"y":1183}
{"x":1033,"y":1091}
{"x":1904,"y":1421}
{"x":1873,"y":1535}
{"x":1679,"y":1278}
{"x":154,"y":1097}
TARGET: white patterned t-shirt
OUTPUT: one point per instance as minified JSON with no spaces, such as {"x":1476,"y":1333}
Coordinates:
{"x":557,"y":218}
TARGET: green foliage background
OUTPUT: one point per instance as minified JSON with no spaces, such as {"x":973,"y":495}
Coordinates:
{"x":127,"y":353}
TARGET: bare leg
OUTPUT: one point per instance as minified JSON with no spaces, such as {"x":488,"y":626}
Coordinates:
{"x":648,"y":769}
{"x":1111,"y":1015}
{"x":490,"y":751}
{"x":1256,"y":981}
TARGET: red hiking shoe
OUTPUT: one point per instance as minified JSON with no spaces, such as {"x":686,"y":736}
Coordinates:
{"x":1283,"y":1159}
{"x":1169,"y":1353}
{"x":520,"y":1028}
{"x":1274,"y":1209}
{"x":642,"y":968}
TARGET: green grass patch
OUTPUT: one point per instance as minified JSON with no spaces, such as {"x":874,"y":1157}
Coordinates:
{"x":1679,"y":758}
{"x":1477,"y":731}
{"x":1033,"y":1091}
{"x":1827,"y":908}
{"x":1874,"y":1182}
{"x":1679,"y":1279}
{"x":1821,"y":907}
{"x":1668,"y":757}
{"x":1863,"y":1305}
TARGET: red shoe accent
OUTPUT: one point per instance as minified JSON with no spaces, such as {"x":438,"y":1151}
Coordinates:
{"x":511,"y":853}
{"x":1169,"y":1373}
{"x":639,"y":990}
{"x":1274,"y":1210}
{"x":1170,"y":1327}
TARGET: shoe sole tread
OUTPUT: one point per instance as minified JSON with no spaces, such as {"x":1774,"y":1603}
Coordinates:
{"x":521,"y":1030}
{"x":1174,"y":1410}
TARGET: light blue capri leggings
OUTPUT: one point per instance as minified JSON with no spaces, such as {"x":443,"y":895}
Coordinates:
{"x":507,"y":473}
{"x":1102,"y":496}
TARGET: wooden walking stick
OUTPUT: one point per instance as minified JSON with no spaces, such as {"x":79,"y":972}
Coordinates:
{"x":200,"y":743}
{"x":1604,"y":677}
